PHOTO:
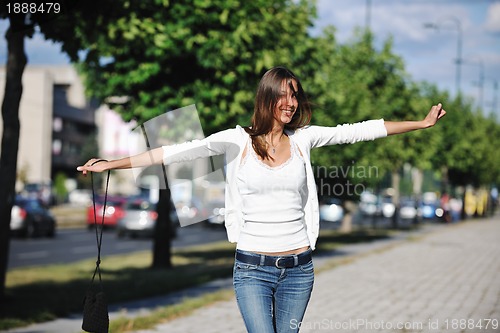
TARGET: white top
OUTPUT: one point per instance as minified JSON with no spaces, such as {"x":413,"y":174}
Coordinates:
{"x":272,"y":203}
{"x":232,"y":142}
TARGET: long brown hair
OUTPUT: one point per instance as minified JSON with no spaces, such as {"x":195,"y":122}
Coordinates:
{"x":267,"y":97}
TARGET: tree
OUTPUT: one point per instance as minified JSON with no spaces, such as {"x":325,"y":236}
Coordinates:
{"x":469,"y":145}
{"x":360,"y":83}
{"x":16,"y":61}
{"x":211,"y":53}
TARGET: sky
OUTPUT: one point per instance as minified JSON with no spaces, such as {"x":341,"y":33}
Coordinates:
{"x":429,"y":54}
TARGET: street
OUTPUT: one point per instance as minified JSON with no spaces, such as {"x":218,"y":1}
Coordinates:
{"x":71,"y":245}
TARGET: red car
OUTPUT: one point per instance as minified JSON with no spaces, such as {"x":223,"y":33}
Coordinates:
{"x":114,"y":211}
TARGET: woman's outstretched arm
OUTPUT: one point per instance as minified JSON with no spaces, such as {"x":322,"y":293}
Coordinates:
{"x":154,"y":156}
{"x":397,"y":127}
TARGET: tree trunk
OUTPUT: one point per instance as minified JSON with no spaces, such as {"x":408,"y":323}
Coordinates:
{"x":163,"y":232}
{"x":16,"y":61}
{"x":417,"y":177}
{"x":346,"y":224}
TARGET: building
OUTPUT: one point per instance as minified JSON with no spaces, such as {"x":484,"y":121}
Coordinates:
{"x":57,"y":122}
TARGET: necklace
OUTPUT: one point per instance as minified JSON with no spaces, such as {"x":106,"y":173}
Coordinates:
{"x":273,"y":147}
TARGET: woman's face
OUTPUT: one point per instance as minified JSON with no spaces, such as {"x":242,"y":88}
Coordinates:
{"x":287,"y":104}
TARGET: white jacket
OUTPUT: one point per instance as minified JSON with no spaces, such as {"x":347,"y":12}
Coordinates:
{"x":232,"y":143}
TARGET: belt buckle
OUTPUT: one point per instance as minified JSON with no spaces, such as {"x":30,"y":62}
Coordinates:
{"x":277,"y":264}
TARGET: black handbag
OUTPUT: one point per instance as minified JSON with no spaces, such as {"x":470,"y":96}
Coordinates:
{"x":95,"y":304}
{"x":95,"y":312}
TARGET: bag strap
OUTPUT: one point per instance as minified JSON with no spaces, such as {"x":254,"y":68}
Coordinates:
{"x":98,"y":235}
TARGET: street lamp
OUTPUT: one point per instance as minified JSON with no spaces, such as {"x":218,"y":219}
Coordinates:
{"x":495,"y":94}
{"x":458,"y":60}
{"x":494,"y":101}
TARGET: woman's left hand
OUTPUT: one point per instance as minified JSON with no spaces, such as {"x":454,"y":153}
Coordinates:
{"x":436,"y":112}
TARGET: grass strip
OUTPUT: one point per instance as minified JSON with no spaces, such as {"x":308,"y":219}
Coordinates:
{"x":167,"y":313}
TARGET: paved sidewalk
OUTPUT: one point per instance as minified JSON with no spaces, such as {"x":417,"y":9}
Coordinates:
{"x":444,"y":281}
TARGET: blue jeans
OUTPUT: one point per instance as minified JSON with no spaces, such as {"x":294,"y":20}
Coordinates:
{"x":271,"y":299}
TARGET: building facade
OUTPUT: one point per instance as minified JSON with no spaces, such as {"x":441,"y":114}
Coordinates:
{"x":57,"y":122}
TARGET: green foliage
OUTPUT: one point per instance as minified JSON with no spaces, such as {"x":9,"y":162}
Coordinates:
{"x":355,"y":82}
{"x":469,"y":144}
{"x":212,"y":53}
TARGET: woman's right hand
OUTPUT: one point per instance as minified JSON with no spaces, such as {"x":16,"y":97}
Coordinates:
{"x":94,"y":165}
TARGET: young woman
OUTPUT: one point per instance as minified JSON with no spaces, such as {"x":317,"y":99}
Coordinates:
{"x":271,"y":202}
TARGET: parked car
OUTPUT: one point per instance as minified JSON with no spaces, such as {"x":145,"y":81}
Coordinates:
{"x":114,"y":211}
{"x":31,"y":218}
{"x":139,"y":219}
{"x":409,"y":209}
{"x":369,"y":204}
{"x":331,"y":210}
{"x":387,"y":207}
{"x":430,"y":206}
